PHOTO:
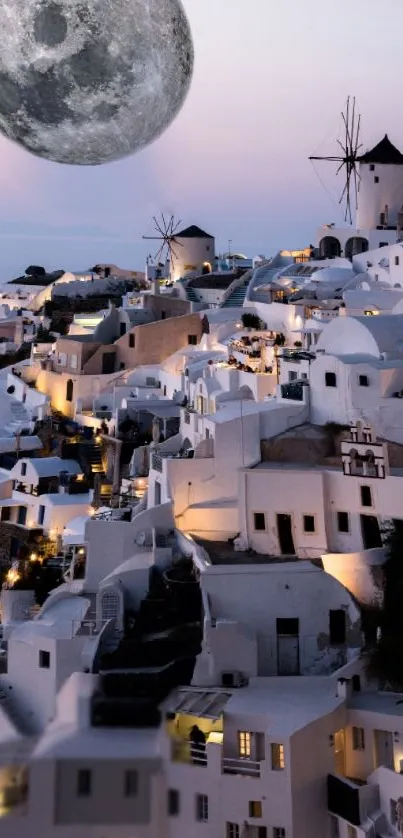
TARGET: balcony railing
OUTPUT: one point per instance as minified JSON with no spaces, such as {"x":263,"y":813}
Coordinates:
{"x":183,"y":750}
{"x":156,"y":462}
{"x":247,"y":767}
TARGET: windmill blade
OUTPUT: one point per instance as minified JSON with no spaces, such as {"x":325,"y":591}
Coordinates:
{"x":159,"y":253}
{"x":177,"y":224}
{"x":328,"y":159}
{"x":176,"y":242}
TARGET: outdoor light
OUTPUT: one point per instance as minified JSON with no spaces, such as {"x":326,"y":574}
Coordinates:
{"x":33,"y":557}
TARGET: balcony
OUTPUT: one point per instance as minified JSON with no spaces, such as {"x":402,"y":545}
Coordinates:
{"x":246,"y":767}
{"x":183,"y":750}
{"x":343,"y":798}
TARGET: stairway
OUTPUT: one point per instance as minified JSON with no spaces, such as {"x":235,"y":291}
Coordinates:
{"x":95,"y":458}
{"x":20,"y":417}
{"x":236,"y":299}
{"x":191,"y":295}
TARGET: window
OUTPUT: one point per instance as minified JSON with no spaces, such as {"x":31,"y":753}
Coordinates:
{"x":330,"y":379}
{"x":309,"y":523}
{"x":262,"y":832}
{"x":44,"y":659}
{"x":173,"y":802}
{"x":334,"y":827}
{"x":358,"y":739}
{"x":192,"y":340}
{"x":397,"y":260}
{"x":277,"y":757}
{"x":41,"y":515}
{"x":232,"y":830}
{"x":278,"y":832}
{"x":351,"y":831}
{"x":292,"y":375}
{"x":372,"y":168}
{"x":131,"y":783}
{"x":376,"y":179}
{"x":23,"y":469}
{"x":84,"y":782}
{"x":122,"y":365}
{"x":304,"y":375}
{"x":244,"y":743}
{"x":366,"y":498}
{"x":337,"y":627}
{"x":343,"y":522}
{"x":202,"y":807}
{"x":255,"y":809}
{"x":132,"y":340}
{"x":259,"y":521}
{"x":163,"y":315}
{"x":122,"y":329}
{"x":363,"y":380}
{"x":5,"y":513}
{"x":69,"y":390}
{"x":22,"y":515}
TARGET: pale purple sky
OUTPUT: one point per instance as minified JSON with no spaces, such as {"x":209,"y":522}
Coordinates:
{"x":270,"y":80}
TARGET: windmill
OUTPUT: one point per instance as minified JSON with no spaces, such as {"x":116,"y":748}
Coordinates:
{"x":166,"y":235}
{"x":348,"y":158}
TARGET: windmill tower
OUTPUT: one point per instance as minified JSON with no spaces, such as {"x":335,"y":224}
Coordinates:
{"x":167,"y":253}
{"x":373,"y":192}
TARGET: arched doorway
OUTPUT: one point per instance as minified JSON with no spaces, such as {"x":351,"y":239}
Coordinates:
{"x":355,"y":245}
{"x":69,"y":390}
{"x":329,"y":248}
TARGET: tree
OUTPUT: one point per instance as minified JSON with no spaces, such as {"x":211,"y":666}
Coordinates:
{"x":385,"y":659}
{"x":251,"y":321}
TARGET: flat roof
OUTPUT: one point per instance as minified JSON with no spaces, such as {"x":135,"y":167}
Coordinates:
{"x":285,"y":705}
{"x":378,"y":702}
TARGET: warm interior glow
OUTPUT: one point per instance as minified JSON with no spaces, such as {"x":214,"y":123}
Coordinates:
{"x":12,"y":576}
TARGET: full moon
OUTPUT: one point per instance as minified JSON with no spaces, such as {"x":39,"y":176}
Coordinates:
{"x":86,"y":82}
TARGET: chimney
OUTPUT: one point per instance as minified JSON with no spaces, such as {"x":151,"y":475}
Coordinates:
{"x":344,"y":688}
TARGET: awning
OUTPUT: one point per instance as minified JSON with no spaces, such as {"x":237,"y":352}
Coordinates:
{"x":206,"y":704}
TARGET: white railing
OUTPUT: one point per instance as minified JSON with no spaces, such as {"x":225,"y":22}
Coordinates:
{"x":183,"y":750}
{"x":247,"y":767}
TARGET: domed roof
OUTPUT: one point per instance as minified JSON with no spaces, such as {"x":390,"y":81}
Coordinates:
{"x":108,"y":330}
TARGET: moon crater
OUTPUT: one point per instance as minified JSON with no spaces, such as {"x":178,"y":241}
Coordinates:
{"x":88,"y":84}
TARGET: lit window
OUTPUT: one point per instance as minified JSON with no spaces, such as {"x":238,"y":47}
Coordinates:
{"x":202,"y":807}
{"x":277,"y":757}
{"x":131,"y":783}
{"x":259,"y":521}
{"x":244,"y":743}
{"x":232,"y":830}
{"x":309,"y":523}
{"x":84,"y":782}
{"x":255,"y":809}
{"x":358,"y":739}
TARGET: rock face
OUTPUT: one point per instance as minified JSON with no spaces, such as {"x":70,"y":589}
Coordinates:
{"x":87,"y":83}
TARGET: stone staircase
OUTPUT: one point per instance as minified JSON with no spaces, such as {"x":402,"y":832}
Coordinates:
{"x":236,"y":299}
{"x":20,"y":417}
